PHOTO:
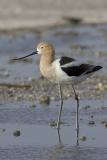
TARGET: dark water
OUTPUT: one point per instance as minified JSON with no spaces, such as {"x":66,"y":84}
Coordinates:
{"x":38,"y":140}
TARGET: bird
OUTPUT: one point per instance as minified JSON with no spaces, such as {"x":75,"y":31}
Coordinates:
{"x":62,"y":70}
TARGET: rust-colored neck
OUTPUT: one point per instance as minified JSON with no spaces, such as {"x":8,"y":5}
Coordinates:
{"x":47,"y":58}
{"x":46,"y":63}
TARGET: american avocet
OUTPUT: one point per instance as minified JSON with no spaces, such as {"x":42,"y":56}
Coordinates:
{"x":62,"y":70}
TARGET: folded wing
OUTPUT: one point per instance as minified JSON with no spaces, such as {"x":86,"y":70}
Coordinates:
{"x":72,"y":68}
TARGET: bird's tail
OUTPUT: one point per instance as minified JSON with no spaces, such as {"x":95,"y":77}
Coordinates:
{"x":96,"y":68}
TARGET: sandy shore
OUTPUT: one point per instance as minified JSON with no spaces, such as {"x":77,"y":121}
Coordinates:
{"x":34,"y":13}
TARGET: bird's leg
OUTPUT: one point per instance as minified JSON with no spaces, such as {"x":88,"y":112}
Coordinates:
{"x":59,"y":137}
{"x":77,"y":114}
{"x":60,"y":110}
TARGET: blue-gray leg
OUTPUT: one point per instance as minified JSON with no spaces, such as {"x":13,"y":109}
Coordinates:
{"x":77,"y":114}
{"x":61,"y":105}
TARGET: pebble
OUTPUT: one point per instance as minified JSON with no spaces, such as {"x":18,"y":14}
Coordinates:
{"x":4,"y":74}
{"x":53,"y":124}
{"x":100,"y":86}
{"x":87,"y":107}
{"x":105,"y":124}
{"x":33,"y":105}
{"x":31,"y":79}
{"x":83,"y":138}
{"x":44,"y":100}
{"x":91,"y":122}
{"x":17,"y":133}
{"x":92,"y":116}
{"x":3,"y":129}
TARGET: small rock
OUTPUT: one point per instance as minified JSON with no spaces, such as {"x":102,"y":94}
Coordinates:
{"x":103,"y":108}
{"x":83,"y":138}
{"x":3,"y":129}
{"x":87,"y":107}
{"x":31,"y":79}
{"x":53,"y":123}
{"x":92,"y":116}
{"x":103,"y":122}
{"x":105,"y":125}
{"x":33,"y":106}
{"x":17,"y":133}
{"x":44,"y":100}
{"x":100,"y":86}
{"x":4,"y":74}
{"x":91,"y":122}
{"x":73,"y":20}
{"x":30,"y":96}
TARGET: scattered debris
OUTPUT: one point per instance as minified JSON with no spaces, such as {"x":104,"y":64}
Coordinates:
{"x":33,"y":105}
{"x":83,"y":138}
{"x":91,"y":123}
{"x":53,"y":124}
{"x":100,"y":86}
{"x":17,"y":133}
{"x":44,"y":100}
{"x":105,"y":124}
{"x":92,"y":116}
{"x":4,"y":73}
{"x":3,"y":129}
{"x":86,"y":107}
{"x":72,"y":20}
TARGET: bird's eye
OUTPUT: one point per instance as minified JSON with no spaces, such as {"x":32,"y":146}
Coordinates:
{"x":42,"y":47}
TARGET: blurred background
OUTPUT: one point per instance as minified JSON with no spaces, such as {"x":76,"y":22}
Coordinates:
{"x":33,"y":13}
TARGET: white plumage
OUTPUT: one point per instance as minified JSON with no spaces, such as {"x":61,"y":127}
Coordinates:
{"x":63,"y":77}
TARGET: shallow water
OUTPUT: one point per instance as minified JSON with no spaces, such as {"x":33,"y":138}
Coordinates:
{"x":38,"y":140}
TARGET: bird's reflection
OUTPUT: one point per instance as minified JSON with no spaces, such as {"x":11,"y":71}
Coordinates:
{"x":60,"y":140}
{"x":59,"y":137}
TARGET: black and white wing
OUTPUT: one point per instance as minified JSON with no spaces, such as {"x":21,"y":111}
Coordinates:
{"x":73,"y":68}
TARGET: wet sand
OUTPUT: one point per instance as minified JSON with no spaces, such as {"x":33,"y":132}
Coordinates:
{"x":41,"y":89}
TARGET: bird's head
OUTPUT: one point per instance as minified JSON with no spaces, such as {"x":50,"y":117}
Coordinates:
{"x":43,"y":48}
